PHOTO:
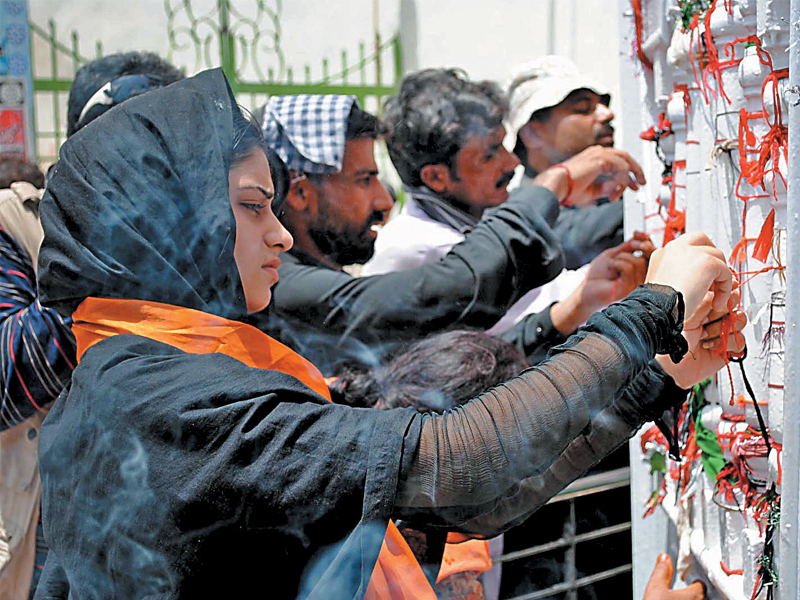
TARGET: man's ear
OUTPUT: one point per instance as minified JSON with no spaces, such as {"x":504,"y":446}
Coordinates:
{"x":530,"y":134}
{"x":436,"y":177}
{"x":301,"y":194}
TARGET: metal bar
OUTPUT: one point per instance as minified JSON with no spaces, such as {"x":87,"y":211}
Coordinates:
{"x":563,"y":542}
{"x":398,"y":58}
{"x":75,"y":56}
{"x":376,"y":28}
{"x":594,"y":484}
{"x":226,"y":44}
{"x":298,"y":88}
{"x":51,"y":85}
{"x":583,"y":581}
{"x":570,"y":571}
{"x":54,"y":74}
{"x":790,"y":485}
{"x":63,"y":85}
{"x":50,"y":40}
{"x":362,"y":62}
{"x":390,"y":43}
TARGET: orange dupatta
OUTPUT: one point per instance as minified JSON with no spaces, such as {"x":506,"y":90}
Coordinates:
{"x":397,"y":574}
{"x":193,"y":331}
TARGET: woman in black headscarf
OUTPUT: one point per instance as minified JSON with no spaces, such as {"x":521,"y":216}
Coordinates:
{"x":192,"y":456}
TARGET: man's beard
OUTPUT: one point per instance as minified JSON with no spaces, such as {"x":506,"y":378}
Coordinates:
{"x":344,"y":248}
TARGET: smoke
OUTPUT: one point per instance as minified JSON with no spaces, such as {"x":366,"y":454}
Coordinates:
{"x":342,"y":570}
{"x":97,"y":498}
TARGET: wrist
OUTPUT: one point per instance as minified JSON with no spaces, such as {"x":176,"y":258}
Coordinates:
{"x":570,"y":313}
{"x":558,"y":180}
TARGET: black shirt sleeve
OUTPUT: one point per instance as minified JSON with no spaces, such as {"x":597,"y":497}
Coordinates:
{"x":534,"y":336}
{"x":585,"y":232}
{"x":511,"y":251}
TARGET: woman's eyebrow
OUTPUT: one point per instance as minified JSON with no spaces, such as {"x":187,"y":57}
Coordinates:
{"x":268,"y":194}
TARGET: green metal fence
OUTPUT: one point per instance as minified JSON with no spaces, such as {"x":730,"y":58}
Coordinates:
{"x":243,"y":37}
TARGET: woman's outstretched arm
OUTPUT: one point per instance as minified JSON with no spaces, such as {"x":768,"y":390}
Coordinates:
{"x":489,"y":464}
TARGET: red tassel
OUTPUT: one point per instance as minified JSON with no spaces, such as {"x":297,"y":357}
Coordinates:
{"x":726,"y":328}
{"x":674,"y":227}
{"x":648,"y":135}
{"x":763,"y":244}
{"x":738,"y":254}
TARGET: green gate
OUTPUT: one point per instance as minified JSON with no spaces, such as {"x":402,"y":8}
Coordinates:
{"x":224,"y":36}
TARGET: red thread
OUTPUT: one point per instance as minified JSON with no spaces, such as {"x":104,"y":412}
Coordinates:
{"x":728,"y":571}
{"x":638,"y":26}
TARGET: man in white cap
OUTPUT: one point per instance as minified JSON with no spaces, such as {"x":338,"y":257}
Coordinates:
{"x":556,"y":112}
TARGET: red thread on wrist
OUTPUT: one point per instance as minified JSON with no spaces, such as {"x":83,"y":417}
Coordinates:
{"x":570,"y":183}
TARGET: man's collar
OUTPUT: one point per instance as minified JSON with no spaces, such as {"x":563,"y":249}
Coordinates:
{"x":440,"y":210}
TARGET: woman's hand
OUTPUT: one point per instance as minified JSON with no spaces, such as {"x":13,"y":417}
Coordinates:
{"x":658,"y":587}
{"x":706,"y":356}
{"x":693,"y":266}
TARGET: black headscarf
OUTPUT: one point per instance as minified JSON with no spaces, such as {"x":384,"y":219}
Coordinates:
{"x":138,"y":204}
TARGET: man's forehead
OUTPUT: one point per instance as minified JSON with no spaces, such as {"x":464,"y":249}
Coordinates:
{"x":359,"y":156}
{"x":583,"y":94}
{"x":486,"y":136}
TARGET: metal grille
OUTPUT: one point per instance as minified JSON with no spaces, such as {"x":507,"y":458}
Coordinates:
{"x":595,"y":487}
{"x":242,"y":38}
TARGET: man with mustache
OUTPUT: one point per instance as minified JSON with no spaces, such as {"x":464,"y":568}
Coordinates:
{"x":335,"y":202}
{"x":556,"y":112}
{"x":446,"y":143}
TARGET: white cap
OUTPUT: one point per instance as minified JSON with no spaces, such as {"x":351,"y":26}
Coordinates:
{"x":542,"y":83}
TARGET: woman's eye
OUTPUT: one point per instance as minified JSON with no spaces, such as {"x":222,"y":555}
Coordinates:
{"x":256,"y":207}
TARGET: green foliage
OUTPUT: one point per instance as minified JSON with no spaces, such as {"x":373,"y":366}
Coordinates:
{"x":690,"y":8}
{"x":658,"y":463}
{"x":711,"y":458}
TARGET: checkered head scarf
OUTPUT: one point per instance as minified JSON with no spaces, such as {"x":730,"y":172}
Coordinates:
{"x":308,"y":131}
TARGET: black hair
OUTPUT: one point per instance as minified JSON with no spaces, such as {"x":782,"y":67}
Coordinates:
{"x":13,"y":169}
{"x":280,"y":178}
{"x":361,"y":124}
{"x":435,"y":374}
{"x":95,"y":74}
{"x":434,"y":114}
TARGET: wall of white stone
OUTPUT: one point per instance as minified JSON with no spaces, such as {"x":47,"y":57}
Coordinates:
{"x":721,"y":81}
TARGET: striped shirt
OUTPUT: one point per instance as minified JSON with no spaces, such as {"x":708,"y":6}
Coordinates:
{"x":37,"y":350}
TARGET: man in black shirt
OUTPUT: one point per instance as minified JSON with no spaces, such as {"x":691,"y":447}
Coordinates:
{"x":335,"y":202}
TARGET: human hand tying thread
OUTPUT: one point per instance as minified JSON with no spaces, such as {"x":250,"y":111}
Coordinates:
{"x":710,"y":293}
